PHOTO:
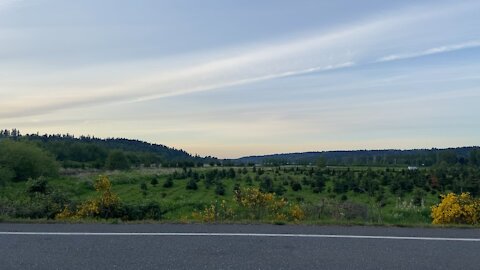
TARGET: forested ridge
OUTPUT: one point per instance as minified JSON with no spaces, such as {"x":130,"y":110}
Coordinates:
{"x":109,"y":153}
{"x":381,"y":158}
{"x":93,"y":152}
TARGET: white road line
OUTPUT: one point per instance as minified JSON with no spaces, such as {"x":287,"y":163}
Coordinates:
{"x":243,"y":235}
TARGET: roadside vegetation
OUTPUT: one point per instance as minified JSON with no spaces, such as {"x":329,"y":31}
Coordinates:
{"x":35,"y":184}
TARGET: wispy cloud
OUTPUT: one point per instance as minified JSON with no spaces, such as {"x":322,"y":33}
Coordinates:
{"x":304,"y":55}
{"x":436,"y":50}
{"x":357,"y":44}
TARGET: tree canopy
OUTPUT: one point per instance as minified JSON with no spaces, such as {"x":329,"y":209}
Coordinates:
{"x":23,"y":160}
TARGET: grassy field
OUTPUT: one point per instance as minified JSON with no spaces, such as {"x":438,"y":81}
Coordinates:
{"x":321,"y":205}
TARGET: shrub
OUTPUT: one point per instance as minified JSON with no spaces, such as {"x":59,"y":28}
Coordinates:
{"x":279,"y":190}
{"x":220,"y":189}
{"x":192,"y":184}
{"x":21,"y":160}
{"x":266,"y":185}
{"x":297,"y":213}
{"x":459,"y":209}
{"x":37,"y":186}
{"x":236,"y":187}
{"x":215,"y":212}
{"x":151,"y":210}
{"x":251,"y":204}
{"x":418,"y":196}
{"x":248,"y":180}
{"x":168,"y":183}
{"x":35,"y":206}
{"x":154,"y":181}
{"x":257,"y":204}
{"x":105,"y":205}
{"x":296,"y":186}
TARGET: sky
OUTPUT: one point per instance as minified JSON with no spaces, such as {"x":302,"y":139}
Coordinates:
{"x":235,"y":78}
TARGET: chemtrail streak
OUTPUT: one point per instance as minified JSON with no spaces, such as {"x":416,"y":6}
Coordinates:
{"x":373,"y":237}
{"x":436,"y":50}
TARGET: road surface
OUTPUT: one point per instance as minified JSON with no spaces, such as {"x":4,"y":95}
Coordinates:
{"x":176,"y":246}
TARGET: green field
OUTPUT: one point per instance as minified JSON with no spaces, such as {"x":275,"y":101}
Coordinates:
{"x":66,"y":179}
{"x":366,"y":197}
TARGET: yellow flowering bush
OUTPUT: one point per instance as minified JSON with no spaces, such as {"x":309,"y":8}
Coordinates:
{"x":90,"y":208}
{"x":251,"y":203}
{"x":280,"y":217}
{"x":297,"y":213}
{"x":65,"y":214}
{"x":102,"y":184}
{"x":459,"y":209}
{"x":215,"y":212}
{"x":102,"y":206}
{"x":108,"y":200}
{"x":257,"y":204}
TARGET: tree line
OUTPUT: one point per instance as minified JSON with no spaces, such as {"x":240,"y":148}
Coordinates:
{"x":111,"y":153}
{"x":372,"y":158}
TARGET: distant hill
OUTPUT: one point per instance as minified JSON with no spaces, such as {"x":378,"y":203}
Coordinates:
{"x":92,"y":152}
{"x":391,"y":157}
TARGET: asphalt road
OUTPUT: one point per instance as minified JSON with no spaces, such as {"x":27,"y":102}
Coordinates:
{"x":154,"y":246}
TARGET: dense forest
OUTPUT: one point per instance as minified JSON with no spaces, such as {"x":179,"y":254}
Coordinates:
{"x":111,"y":153}
{"x":88,"y":152}
{"x":380,"y":158}
{"x":121,"y":153}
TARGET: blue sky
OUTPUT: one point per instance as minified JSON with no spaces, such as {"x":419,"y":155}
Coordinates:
{"x":235,"y":78}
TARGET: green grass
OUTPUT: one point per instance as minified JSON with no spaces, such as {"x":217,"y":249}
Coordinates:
{"x":181,"y":202}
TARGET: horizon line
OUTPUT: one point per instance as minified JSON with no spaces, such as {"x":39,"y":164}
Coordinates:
{"x":245,"y":156}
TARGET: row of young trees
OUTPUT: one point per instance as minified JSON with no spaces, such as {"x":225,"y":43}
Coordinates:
{"x":373,"y":182}
{"x":21,"y":160}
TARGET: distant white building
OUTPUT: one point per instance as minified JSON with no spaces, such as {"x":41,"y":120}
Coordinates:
{"x":412,"y":168}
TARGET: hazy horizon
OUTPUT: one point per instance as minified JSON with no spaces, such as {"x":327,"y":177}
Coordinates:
{"x":232,"y":79}
{"x":259,"y":154}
